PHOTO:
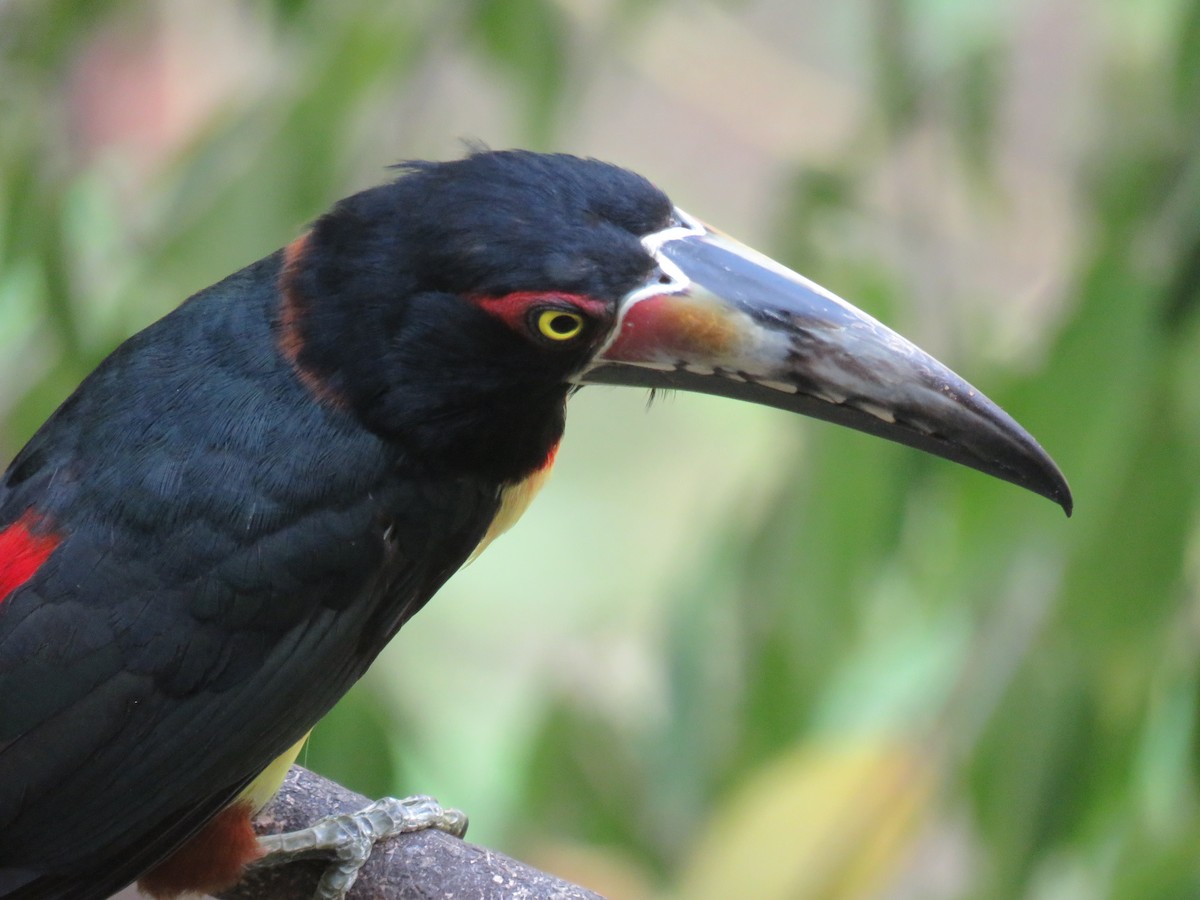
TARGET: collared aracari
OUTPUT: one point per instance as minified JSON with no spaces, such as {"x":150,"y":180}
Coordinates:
{"x":208,"y":543}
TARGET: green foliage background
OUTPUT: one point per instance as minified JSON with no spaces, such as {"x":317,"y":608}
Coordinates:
{"x":728,"y":653}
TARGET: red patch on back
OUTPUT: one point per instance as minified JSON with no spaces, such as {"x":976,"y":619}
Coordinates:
{"x":212,"y":860}
{"x":24,"y":546}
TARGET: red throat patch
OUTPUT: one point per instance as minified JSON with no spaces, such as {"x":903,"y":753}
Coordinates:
{"x":24,"y":546}
{"x":548,"y":463}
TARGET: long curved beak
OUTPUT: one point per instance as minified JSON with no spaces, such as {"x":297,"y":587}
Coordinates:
{"x":720,"y":318}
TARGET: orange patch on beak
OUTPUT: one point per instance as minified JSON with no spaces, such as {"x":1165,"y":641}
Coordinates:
{"x":669,"y":328}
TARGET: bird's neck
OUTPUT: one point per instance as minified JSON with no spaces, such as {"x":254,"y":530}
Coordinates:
{"x":444,"y":407}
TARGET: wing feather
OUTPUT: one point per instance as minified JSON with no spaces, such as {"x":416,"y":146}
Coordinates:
{"x":229,"y":557}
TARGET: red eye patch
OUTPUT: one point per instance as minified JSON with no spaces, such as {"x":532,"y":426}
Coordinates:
{"x":513,"y":309}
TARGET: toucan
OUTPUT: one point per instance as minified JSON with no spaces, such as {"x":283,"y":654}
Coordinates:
{"x":211,"y":539}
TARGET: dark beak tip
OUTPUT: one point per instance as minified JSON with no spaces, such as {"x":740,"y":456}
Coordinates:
{"x":1047,"y":480}
{"x":1012,"y":452}
{"x":1062,"y":496}
{"x":1054,"y":489}
{"x":1041,"y":475}
{"x":733,"y":310}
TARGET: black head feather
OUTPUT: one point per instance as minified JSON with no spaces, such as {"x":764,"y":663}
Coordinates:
{"x":387,"y":281}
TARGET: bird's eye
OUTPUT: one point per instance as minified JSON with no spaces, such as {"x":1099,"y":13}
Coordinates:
{"x":559,"y":324}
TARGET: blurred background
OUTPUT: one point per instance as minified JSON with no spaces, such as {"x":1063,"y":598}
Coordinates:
{"x":729,"y":652}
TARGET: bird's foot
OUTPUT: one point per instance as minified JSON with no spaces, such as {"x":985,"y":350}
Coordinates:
{"x":350,"y":837}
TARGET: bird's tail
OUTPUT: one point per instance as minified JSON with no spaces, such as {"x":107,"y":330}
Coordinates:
{"x":24,"y":884}
{"x":14,"y":880}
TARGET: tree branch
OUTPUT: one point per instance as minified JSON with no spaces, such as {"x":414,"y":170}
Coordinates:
{"x":418,"y":866}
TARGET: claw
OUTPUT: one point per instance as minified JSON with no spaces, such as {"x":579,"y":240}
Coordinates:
{"x":350,"y":837}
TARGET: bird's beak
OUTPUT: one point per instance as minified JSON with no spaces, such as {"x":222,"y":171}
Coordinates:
{"x":720,"y":318}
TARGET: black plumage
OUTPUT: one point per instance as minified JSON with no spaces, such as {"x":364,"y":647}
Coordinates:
{"x":215,"y":535}
{"x":235,"y":551}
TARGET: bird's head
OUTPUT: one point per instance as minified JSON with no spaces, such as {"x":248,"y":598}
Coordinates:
{"x":454,"y":310}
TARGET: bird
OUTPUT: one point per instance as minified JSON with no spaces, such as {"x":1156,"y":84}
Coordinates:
{"x":212,"y":538}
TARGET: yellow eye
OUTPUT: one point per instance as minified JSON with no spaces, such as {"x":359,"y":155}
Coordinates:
{"x":559,"y":324}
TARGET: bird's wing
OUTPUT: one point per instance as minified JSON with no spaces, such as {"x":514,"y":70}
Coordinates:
{"x":167,"y":593}
{"x":137,"y":696}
